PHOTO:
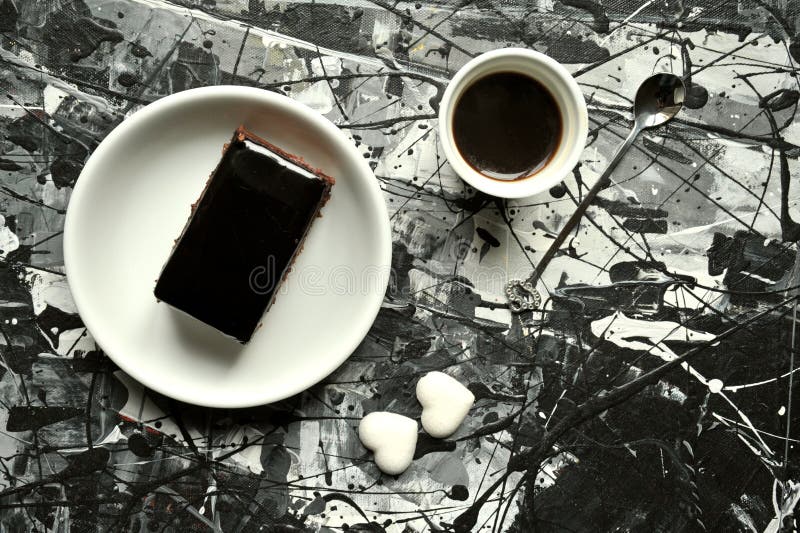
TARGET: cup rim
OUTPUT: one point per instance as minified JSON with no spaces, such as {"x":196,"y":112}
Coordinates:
{"x":551,"y":174}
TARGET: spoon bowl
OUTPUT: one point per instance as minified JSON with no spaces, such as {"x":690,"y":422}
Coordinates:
{"x":658,"y":100}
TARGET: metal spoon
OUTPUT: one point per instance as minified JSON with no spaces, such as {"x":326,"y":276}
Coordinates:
{"x":658,"y":100}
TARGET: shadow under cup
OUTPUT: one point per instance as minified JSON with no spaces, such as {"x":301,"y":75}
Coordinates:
{"x":568,"y":140}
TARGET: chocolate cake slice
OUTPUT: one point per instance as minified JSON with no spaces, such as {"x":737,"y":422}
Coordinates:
{"x":244,"y":233}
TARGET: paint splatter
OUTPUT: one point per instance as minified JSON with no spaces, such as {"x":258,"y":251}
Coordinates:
{"x":655,"y":383}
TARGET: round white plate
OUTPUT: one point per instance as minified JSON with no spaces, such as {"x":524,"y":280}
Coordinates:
{"x":133,"y":199}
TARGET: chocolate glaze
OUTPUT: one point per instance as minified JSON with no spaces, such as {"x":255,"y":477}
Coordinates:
{"x":244,"y":233}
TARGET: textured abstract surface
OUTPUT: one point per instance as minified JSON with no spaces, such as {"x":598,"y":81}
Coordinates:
{"x":654,"y":393}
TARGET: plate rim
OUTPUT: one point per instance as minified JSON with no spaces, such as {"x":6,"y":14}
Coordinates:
{"x":90,"y":175}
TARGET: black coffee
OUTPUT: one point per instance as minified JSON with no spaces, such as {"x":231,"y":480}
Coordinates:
{"x":507,"y":126}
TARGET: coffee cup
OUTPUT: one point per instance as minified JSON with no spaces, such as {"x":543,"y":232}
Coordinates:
{"x":513,"y":123}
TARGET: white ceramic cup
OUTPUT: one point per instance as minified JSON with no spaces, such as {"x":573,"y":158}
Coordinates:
{"x":565,"y":91}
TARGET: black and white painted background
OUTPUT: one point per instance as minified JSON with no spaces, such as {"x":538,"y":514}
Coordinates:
{"x":571,"y":431}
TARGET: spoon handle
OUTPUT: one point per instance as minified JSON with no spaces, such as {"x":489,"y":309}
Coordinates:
{"x":602,"y":183}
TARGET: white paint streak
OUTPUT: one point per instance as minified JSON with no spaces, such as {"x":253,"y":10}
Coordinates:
{"x":624,"y":332}
{"x":790,"y":500}
{"x":317,"y":96}
{"x":309,"y":442}
{"x":552,"y":467}
{"x":781,"y":437}
{"x":52,"y":98}
{"x":266,"y":35}
{"x":8,"y":239}
{"x":734,"y":388}
{"x":249,"y":457}
{"x":742,"y":516}
{"x":503,"y":316}
{"x":625,"y":21}
{"x":757,"y":277}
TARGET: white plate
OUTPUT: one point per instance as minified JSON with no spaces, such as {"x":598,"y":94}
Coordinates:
{"x":132,"y":201}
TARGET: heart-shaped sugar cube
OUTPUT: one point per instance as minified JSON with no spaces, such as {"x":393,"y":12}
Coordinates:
{"x":445,"y":403}
{"x":391,"y":437}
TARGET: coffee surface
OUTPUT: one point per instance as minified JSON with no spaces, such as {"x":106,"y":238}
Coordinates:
{"x":507,"y":126}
